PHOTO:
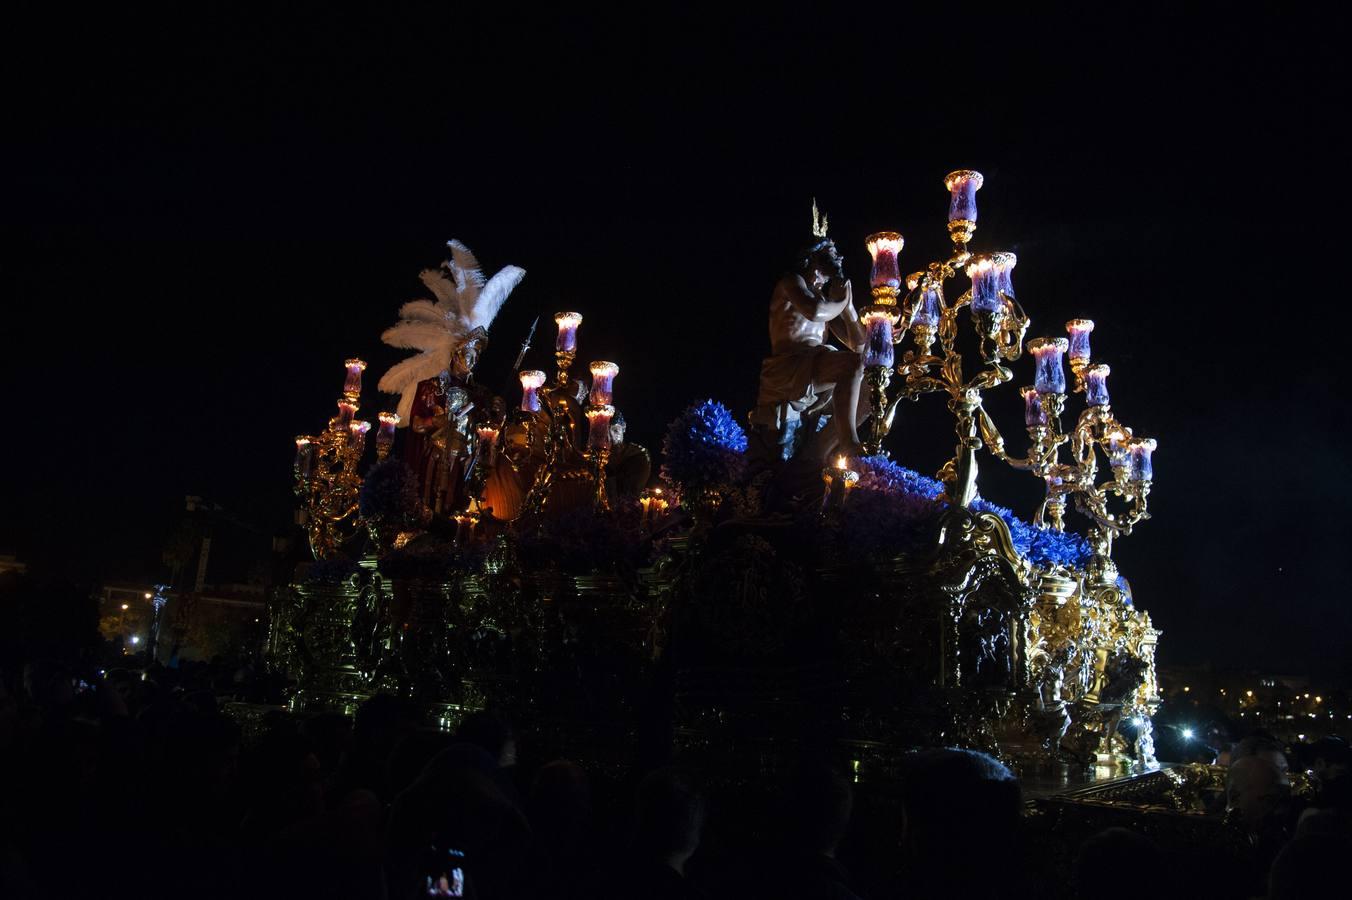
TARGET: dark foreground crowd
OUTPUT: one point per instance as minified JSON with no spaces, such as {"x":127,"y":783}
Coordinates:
{"x":139,"y":785}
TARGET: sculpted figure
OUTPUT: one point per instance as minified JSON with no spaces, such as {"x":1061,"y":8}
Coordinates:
{"x":436,"y":389}
{"x":804,"y":378}
{"x":629,"y":467}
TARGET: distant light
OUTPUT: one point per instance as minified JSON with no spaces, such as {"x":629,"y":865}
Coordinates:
{"x":147,"y":595}
{"x":136,"y":639}
{"x":125,"y":606}
{"x":1248,"y":693}
{"x":1307,"y":696}
{"x":1318,"y":699}
{"x":1186,"y":689}
{"x":1187,"y":734}
{"x":1137,"y":721}
{"x":1300,"y":737}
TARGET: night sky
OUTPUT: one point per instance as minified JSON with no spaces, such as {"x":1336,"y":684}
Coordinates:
{"x":204,"y":217}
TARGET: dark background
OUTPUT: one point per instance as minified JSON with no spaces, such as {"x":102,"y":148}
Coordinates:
{"x":205,"y":216}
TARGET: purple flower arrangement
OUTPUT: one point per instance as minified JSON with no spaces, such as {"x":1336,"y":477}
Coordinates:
{"x":703,"y":447}
{"x":891,"y":507}
{"x":581,"y":541}
{"x":389,"y":492}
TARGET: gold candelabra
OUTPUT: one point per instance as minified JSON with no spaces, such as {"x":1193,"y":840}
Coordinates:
{"x":1000,"y":323}
{"x":998,"y":319}
{"x":326,"y":478}
{"x":547,"y":412}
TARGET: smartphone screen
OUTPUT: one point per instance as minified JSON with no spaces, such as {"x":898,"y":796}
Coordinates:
{"x":447,"y":875}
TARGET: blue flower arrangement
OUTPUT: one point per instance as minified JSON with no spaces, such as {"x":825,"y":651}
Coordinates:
{"x":892,"y":507}
{"x":703,"y":447}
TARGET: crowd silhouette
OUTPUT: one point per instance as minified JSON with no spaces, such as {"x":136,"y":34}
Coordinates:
{"x":142,"y":782}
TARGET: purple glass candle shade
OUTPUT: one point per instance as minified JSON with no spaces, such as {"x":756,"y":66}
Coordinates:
{"x":346,"y":410}
{"x":603,"y":382}
{"x":878,"y":349}
{"x":1050,"y":377}
{"x":985,"y":288}
{"x":488,"y":442}
{"x":1079,"y":331}
{"x":1096,"y":385}
{"x":1118,"y":454}
{"x":1003,"y":264}
{"x":962,"y":186}
{"x":598,"y":427}
{"x":385,"y":436}
{"x":927,"y":309}
{"x":357,"y":432}
{"x":567,"y":339}
{"x":1142,"y":468}
{"x":352,"y":384}
{"x":305,"y":454}
{"x":884,"y":247}
{"x":531,"y":382}
{"x":1034,"y":416}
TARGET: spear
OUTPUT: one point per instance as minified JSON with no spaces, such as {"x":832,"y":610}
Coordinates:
{"x":520,"y":357}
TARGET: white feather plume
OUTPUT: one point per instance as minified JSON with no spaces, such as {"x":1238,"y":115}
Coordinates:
{"x":465,"y":263}
{"x":466,"y":300}
{"x":403,"y":378}
{"x":494,"y":294}
{"x":413,"y":335}
{"x":422,"y":311}
{"x":446,"y":291}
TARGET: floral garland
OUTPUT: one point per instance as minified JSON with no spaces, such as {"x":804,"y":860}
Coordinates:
{"x":891,"y":505}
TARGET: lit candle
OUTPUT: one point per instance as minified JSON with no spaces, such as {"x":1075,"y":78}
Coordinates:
{"x":304,"y":457}
{"x":884,"y":247}
{"x":358,"y":431}
{"x":1142,"y":469}
{"x":1034,"y":416}
{"x":963,"y":185}
{"x":603,"y":382}
{"x":1004,"y":264}
{"x":926,"y":313}
{"x":352,"y":384}
{"x":488,"y":442}
{"x":531,"y":381}
{"x":878,"y":350}
{"x":598,"y":427}
{"x":1118,"y":455}
{"x":985,"y":286}
{"x":567,"y":339}
{"x":1050,"y":377}
{"x":1079,"y":330}
{"x":385,"y":436}
{"x":1096,"y":385}
{"x":346,"y":410}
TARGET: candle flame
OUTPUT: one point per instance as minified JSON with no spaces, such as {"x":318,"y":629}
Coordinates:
{"x":840,"y":462}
